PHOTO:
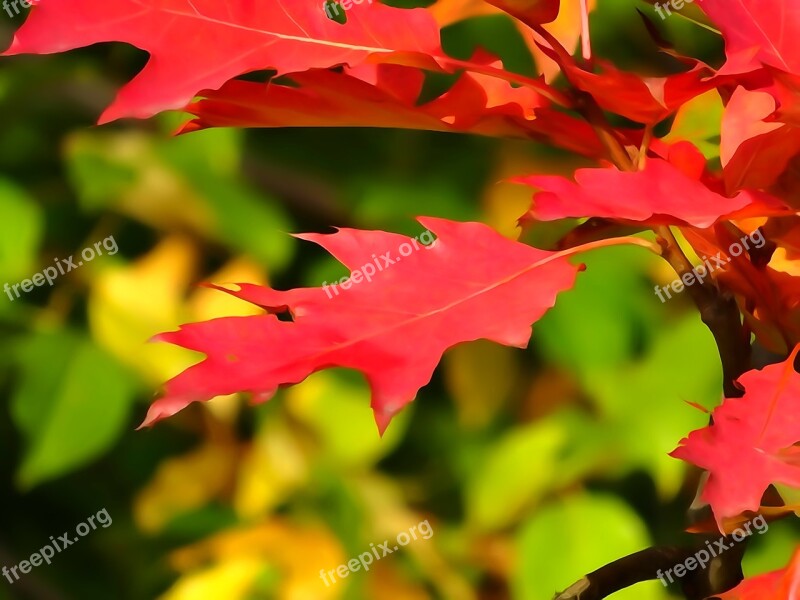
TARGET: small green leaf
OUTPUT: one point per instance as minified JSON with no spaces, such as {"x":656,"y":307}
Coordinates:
{"x":699,"y":121}
{"x":71,"y":404}
{"x":556,"y":547}
{"x":529,"y":463}
{"x":20,"y":233}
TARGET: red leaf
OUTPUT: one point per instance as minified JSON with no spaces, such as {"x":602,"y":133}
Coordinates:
{"x":786,"y":91}
{"x":658,"y":194}
{"x":758,"y":32}
{"x":320,"y":98}
{"x":471,"y":284}
{"x":769,"y":298}
{"x":642,"y":99}
{"x":754,"y":150}
{"x":200,"y":44}
{"x":751,"y":441}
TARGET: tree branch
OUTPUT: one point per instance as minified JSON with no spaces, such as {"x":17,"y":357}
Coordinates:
{"x":648,"y":564}
{"x":719,"y":312}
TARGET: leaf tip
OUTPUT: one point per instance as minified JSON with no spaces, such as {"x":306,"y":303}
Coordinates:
{"x":382,"y":420}
{"x":699,"y":407}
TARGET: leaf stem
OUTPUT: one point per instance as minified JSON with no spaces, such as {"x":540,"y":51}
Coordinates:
{"x":586,"y":42}
{"x":648,"y":135}
{"x":672,"y":252}
{"x":618,"y":241}
{"x":587,"y":106}
{"x":698,"y":23}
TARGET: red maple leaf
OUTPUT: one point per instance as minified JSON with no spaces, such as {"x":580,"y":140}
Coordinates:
{"x":757,"y":32}
{"x":751,"y":442}
{"x":660,"y":193}
{"x":201,"y":44}
{"x":755,"y":149}
{"x":402,"y":310}
{"x":388,"y":96}
{"x":642,"y":99}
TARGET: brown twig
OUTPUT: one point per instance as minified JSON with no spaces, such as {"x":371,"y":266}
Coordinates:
{"x":719,"y":312}
{"x":650,"y":563}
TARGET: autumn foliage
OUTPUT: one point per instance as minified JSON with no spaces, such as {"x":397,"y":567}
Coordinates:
{"x":647,"y":186}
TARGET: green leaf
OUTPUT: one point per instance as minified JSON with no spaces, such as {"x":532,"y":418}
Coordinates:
{"x":605,"y":318}
{"x":245,"y":219}
{"x":72,"y":402}
{"x":336,"y":406}
{"x":199,"y":177}
{"x":643,"y":403}
{"x":556,"y":547}
{"x":20,"y":233}
{"x":699,"y":121}
{"x":530,"y":462}
{"x":98,"y":178}
{"x":770,"y":552}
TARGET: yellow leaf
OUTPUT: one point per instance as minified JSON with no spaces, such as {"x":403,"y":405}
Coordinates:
{"x":207,"y":303}
{"x":130,"y":304}
{"x":505,"y":202}
{"x":185,"y":483}
{"x":781,"y":262}
{"x":566,"y":29}
{"x":298,"y":553}
{"x":229,"y":580}
{"x":273,"y":467}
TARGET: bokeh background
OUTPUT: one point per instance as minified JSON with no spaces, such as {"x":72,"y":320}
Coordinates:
{"x":532,"y":467}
